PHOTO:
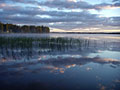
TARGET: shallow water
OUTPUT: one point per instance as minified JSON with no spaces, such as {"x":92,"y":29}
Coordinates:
{"x":59,"y":62}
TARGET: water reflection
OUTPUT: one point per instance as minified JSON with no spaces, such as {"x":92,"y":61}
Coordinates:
{"x":60,"y":64}
{"x":27,"y":48}
{"x":73,"y":62}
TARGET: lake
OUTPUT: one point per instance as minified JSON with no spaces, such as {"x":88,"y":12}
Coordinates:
{"x":59,"y":62}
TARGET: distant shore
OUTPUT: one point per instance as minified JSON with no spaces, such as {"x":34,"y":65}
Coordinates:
{"x":87,"y":32}
{"x":67,"y":33}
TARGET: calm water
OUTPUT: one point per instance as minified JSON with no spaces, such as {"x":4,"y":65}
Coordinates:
{"x":59,"y":62}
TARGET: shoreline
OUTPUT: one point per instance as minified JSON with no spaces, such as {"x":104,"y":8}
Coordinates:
{"x":68,"y":33}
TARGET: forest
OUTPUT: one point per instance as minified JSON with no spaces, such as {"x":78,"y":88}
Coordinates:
{"x":12,"y":28}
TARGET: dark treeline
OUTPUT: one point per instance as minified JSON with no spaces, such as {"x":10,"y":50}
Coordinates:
{"x":11,"y":28}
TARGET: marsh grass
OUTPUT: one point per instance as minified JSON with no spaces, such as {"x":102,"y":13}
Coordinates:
{"x":28,"y":47}
{"x":41,"y":42}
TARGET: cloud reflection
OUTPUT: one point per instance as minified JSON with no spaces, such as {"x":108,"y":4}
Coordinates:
{"x":60,"y":65}
{"x":54,"y":54}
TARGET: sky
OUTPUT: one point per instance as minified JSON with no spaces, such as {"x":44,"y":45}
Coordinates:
{"x":64,"y":15}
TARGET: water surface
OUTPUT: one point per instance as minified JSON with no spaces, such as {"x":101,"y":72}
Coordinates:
{"x":59,"y":62}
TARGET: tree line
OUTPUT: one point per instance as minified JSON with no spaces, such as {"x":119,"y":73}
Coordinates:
{"x":12,"y":28}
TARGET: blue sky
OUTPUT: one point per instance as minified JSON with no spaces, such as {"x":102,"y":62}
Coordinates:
{"x":64,"y":15}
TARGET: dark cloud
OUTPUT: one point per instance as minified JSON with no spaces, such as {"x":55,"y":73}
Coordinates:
{"x":12,"y":10}
{"x":116,"y":0}
{"x":67,"y":19}
{"x":116,"y":3}
{"x":60,"y":4}
{"x":17,"y":1}
{"x":66,"y":4}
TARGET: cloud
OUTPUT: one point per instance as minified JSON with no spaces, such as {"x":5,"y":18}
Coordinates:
{"x":58,"y":14}
{"x":116,"y":0}
{"x":67,"y":4}
{"x":116,"y":3}
{"x":70,"y":4}
{"x":105,"y":6}
{"x":59,"y":18}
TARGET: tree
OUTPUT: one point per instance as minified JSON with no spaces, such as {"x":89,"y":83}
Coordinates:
{"x":23,"y":29}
